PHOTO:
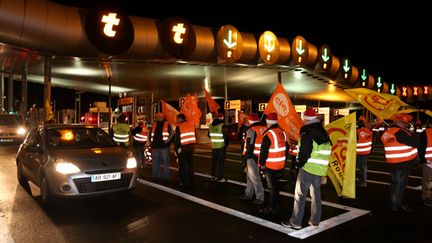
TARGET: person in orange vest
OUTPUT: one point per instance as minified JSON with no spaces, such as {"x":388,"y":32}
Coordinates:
{"x":251,"y":152}
{"x":140,"y":135}
{"x":184,"y":143}
{"x":161,"y":136}
{"x":425,"y":152}
{"x":364,"y":148}
{"x":273,"y":154}
{"x":400,"y":147}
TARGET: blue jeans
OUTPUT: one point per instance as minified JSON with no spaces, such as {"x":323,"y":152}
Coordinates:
{"x":160,"y":156}
{"x":362,"y":165}
{"x":399,"y":180}
{"x":305,"y":182}
{"x":253,"y":181}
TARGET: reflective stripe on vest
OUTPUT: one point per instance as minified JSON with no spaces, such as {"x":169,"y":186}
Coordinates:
{"x":142,"y":137}
{"x":259,"y":130}
{"x":165,"y":132}
{"x":121,"y":132}
{"x":364,"y":143}
{"x":216,"y":136}
{"x":318,"y":163}
{"x":276,"y":155}
{"x":396,"y":152}
{"x":428,"y":154}
{"x":187,"y":133}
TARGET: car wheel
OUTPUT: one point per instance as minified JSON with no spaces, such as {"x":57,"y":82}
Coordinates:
{"x":46,"y":195}
{"x":23,"y":181}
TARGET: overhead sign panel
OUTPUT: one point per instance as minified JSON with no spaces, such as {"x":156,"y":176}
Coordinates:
{"x":328,"y":63}
{"x":178,"y":37}
{"x":303,"y":53}
{"x":364,"y":78}
{"x":229,"y":43}
{"x":111,"y":32}
{"x":268,"y":47}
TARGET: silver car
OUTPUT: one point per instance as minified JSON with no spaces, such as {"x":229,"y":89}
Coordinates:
{"x":71,"y":161}
{"x":12,"y":128}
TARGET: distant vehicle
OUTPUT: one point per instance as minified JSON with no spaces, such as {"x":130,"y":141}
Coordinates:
{"x":12,"y":128}
{"x":70,"y":161}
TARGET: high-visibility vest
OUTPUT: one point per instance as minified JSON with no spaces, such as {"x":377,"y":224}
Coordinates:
{"x":216,"y":136}
{"x":276,"y":155}
{"x":259,"y":130}
{"x":187,"y":133}
{"x":428,"y":154}
{"x":318,"y":162}
{"x":364,"y":143}
{"x":142,"y":137}
{"x":121,"y":132}
{"x":293,"y":149}
{"x":396,"y":152}
{"x":165,"y":131}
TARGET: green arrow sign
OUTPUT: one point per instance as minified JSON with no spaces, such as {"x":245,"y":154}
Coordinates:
{"x":364,"y":76}
{"x":325,"y":56}
{"x":229,"y":41}
{"x":346,"y":67}
{"x":379,"y":83}
{"x":392,"y":89}
{"x":300,"y":49}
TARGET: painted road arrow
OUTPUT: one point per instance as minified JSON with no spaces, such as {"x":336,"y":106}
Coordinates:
{"x":364,"y":76}
{"x":392,"y":89}
{"x":346,"y":67}
{"x":379,"y":83}
{"x":325,"y":56}
{"x":229,"y":43}
{"x":300,"y":49}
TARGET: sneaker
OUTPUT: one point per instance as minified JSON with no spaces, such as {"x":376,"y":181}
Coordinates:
{"x":258,"y":202}
{"x":245,"y":198}
{"x":288,"y":224}
{"x":364,"y":184}
{"x":222,"y":180}
{"x":313,"y":225}
{"x":213,"y":178}
{"x":427,"y":202}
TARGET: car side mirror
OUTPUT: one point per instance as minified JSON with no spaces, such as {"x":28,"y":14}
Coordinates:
{"x":34,"y":149}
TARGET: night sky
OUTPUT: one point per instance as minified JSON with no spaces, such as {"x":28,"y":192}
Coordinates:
{"x":393,"y":41}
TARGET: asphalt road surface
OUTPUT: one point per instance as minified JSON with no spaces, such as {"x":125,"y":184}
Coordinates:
{"x":161,"y":211}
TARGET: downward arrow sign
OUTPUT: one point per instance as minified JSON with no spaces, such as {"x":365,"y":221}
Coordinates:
{"x":229,"y":43}
{"x":364,"y":76}
{"x":346,"y":67}
{"x":300,"y":49}
{"x":392,"y":89}
{"x":379,"y":83}
{"x":325,"y":56}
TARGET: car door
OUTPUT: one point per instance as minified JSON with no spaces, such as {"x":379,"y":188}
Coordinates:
{"x":35,"y":156}
{"x":23,"y":155}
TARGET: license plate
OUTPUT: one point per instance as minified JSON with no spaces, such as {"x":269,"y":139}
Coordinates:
{"x":106,"y":177}
{"x":5,"y":140}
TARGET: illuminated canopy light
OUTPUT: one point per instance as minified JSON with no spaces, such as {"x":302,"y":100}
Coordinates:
{"x":110,"y":20}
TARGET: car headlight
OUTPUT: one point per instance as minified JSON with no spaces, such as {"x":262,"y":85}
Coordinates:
{"x":131,"y":163}
{"x":66,"y":168}
{"x":21,"y":131}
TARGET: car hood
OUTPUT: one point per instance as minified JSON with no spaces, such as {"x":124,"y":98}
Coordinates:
{"x":94,"y":158}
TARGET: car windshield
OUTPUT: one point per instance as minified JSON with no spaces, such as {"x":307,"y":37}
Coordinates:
{"x":80,"y":137}
{"x":10,"y":120}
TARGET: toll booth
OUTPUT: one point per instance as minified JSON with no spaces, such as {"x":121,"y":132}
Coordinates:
{"x":98,"y":115}
{"x":232,"y":108}
{"x":127,"y":107}
{"x":66,"y":116}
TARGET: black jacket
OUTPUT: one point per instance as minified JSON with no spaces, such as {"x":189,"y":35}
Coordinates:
{"x":134,"y":131}
{"x":250,"y":141}
{"x":309,"y":133}
{"x":177,"y":143}
{"x":224,"y":131}
{"x":423,"y":146}
{"x":265,"y":146}
{"x":157,"y":140}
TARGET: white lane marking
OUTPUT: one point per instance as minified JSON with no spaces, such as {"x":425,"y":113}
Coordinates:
{"x":371,"y":181}
{"x":309,"y":230}
{"x":220,"y":208}
{"x":416,"y":188}
{"x":5,"y":235}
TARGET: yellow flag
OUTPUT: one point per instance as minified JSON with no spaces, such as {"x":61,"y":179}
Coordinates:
{"x":382,"y":105}
{"x":49,"y":113}
{"x":342,"y":161}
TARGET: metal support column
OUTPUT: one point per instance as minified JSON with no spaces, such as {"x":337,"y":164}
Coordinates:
{"x":47,"y":86}
{"x":279,"y":77}
{"x":24,"y":93}
{"x":2,"y":107}
{"x":10,"y":93}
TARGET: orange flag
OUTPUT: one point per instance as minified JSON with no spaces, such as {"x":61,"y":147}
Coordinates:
{"x":213,"y":106}
{"x":169,"y":112}
{"x":288,"y":118}
{"x":190,"y":110}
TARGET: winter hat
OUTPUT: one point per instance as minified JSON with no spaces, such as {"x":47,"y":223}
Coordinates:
{"x":272,"y":118}
{"x":402,"y":117}
{"x":310,"y":114}
{"x":253,"y":118}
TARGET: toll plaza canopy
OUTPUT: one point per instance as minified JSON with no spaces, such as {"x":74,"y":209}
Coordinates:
{"x":168,"y":57}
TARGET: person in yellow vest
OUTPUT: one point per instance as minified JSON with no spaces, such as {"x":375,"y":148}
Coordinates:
{"x":273,"y":154}
{"x":251,"y":152}
{"x":313,"y":160}
{"x":121,"y":131}
{"x":161,"y":136}
{"x":140,"y":135}
{"x":364,"y":148}
{"x":219,"y":142}
{"x":184,"y":143}
{"x":425,"y":152}
{"x":401,"y":152}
